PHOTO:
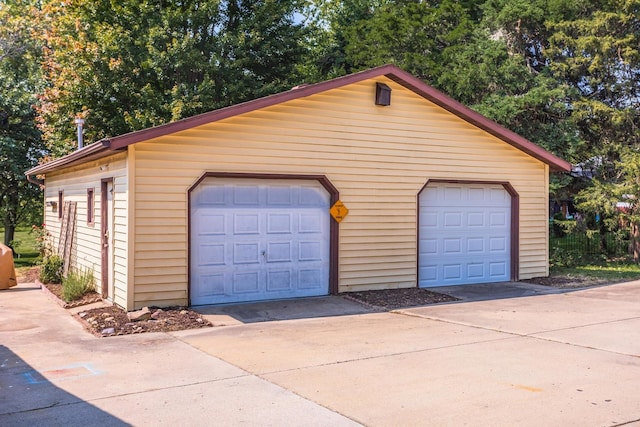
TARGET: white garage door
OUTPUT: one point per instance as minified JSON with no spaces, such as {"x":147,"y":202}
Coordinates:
{"x":464,"y":234}
{"x":257,"y":239}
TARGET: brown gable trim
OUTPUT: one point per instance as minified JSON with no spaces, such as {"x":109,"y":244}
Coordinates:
{"x":91,"y":152}
{"x":418,"y":86}
{"x":246,"y":107}
{"x":390,"y":71}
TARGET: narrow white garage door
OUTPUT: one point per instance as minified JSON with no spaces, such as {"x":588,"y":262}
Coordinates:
{"x":464,"y":234}
{"x":257,"y":239}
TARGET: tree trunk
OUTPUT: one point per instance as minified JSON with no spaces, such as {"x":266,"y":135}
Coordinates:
{"x":603,"y":238}
{"x":635,"y":242}
{"x":9,"y":234}
{"x":11,"y":202}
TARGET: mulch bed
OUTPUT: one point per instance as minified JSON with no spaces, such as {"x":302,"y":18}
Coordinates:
{"x":111,"y":321}
{"x":88,"y":298}
{"x":568,"y":282}
{"x":392,"y":299}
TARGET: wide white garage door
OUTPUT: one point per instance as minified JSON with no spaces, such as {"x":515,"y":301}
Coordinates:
{"x":257,"y":239}
{"x":464,"y":234}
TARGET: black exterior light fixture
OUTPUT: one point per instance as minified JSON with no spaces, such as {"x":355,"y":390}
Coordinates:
{"x":383,"y":94}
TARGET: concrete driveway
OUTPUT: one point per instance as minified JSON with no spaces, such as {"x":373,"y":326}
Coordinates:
{"x":556,"y":359}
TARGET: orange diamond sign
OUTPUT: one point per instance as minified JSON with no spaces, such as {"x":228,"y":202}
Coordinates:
{"x":338,"y":211}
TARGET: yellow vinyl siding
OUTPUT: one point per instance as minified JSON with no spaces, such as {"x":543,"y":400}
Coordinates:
{"x":87,"y":244}
{"x":377,"y":157}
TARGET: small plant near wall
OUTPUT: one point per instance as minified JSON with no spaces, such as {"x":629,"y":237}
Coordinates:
{"x":77,"y":283}
{"x":42,"y":239}
{"x":51,"y":269}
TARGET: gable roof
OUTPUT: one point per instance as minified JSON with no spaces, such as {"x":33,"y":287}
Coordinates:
{"x":109,"y":146}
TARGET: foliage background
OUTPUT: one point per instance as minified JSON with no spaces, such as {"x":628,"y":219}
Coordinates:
{"x":562,"y":73}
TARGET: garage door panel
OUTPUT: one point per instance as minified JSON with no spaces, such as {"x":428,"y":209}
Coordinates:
{"x":498,"y":244}
{"x":475,"y":245}
{"x":279,"y":280}
{"x":278,"y":252}
{"x":452,"y":272}
{"x":246,"y":253}
{"x":310,"y":222}
{"x":279,"y":196}
{"x":452,"y":219}
{"x":267,"y":240}
{"x":498,"y":219}
{"x":246,"y":224}
{"x":212,"y":285}
{"x":452,"y":246}
{"x":211,"y":255}
{"x":464,"y":234}
{"x":279,"y":223}
{"x":246,"y":282}
{"x":310,"y":279}
{"x":497,"y":269}
{"x":246,"y":195}
{"x":310,"y":251}
{"x":212,"y":224}
{"x":475,"y":271}
{"x":476,"y":219}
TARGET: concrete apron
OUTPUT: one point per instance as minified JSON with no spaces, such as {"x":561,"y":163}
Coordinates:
{"x":52,"y":372}
{"x":568,"y":359}
{"x":564,"y":358}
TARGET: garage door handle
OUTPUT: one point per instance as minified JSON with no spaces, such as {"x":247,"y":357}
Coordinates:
{"x":264,"y":253}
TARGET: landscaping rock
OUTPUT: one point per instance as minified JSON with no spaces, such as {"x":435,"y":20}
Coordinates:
{"x":139,"y":315}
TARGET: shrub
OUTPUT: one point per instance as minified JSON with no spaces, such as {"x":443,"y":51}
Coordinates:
{"x":42,"y":239}
{"x":76,"y":284}
{"x":51,"y":270}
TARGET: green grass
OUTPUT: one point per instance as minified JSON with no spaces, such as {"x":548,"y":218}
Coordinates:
{"x":24,"y":247}
{"x":605,"y":271}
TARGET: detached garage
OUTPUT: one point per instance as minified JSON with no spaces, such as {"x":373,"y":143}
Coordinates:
{"x":369,"y":181}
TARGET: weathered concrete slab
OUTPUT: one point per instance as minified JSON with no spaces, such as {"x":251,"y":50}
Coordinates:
{"x":265,"y":311}
{"x":52,"y":372}
{"x":517,"y":381}
{"x":277,"y":346}
{"x":538,"y":313}
{"x":546,"y":359}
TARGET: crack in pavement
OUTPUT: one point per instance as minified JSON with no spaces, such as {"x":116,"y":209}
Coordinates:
{"x":133,"y":393}
{"x":534,"y":335}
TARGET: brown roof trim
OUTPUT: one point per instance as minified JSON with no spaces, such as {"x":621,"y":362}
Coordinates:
{"x":94,"y":151}
{"x":245,"y":107}
{"x":390,"y":71}
{"x":418,"y":86}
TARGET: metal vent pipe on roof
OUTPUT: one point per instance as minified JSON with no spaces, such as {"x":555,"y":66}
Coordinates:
{"x":79,"y":123}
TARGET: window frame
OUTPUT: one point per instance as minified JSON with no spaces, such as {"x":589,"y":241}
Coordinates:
{"x":91,"y":206}
{"x":60,"y":203}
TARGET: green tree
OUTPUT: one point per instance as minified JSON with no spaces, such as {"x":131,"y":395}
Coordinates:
{"x":617,"y":200}
{"x":132,"y":64}
{"x":417,"y":36}
{"x":597,"y":53}
{"x":20,"y":143}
